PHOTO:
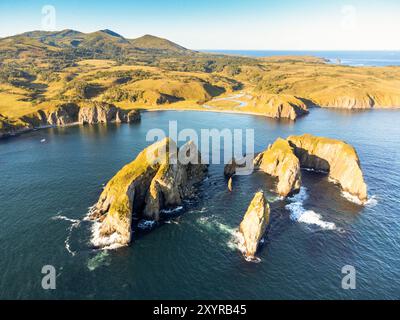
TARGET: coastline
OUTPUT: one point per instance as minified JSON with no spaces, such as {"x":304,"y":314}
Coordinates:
{"x":239,"y":112}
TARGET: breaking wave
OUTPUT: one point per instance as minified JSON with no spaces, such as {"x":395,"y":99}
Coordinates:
{"x":235,"y":241}
{"x":300,"y":214}
{"x":371,"y":202}
{"x":109,"y":242}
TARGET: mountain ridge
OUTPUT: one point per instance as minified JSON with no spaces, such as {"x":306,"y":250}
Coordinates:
{"x":69,"y":38}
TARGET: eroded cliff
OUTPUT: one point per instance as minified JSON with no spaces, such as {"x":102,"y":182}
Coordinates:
{"x":68,"y":113}
{"x":280,"y":161}
{"x":336,"y":157}
{"x":152,"y":182}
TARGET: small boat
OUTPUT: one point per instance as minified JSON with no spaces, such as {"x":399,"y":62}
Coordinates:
{"x":43,"y":140}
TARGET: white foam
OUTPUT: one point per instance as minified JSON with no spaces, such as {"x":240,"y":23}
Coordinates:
{"x":173,"y":210}
{"x":300,"y":214}
{"x":60,"y":217}
{"x":74,"y":224}
{"x":109,"y":242}
{"x":311,"y":217}
{"x":236,"y":239}
{"x":237,"y":243}
{"x":370,"y":202}
{"x":211,"y":223}
{"x":146,"y":224}
{"x":314,"y":170}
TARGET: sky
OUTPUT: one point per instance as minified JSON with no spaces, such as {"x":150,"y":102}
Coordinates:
{"x":220,"y":24}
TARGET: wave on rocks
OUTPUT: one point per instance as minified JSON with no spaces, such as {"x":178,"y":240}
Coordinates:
{"x":110,"y":242}
{"x":235,"y":241}
{"x":371,"y":202}
{"x":300,"y":214}
{"x":146,"y":224}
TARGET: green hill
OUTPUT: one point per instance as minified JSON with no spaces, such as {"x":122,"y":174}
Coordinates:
{"x":152,"y":42}
{"x":101,"y":40}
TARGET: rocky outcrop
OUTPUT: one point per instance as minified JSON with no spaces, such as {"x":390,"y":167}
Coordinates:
{"x":336,"y":157}
{"x":280,"y":161}
{"x":230,"y":169}
{"x":68,"y":113}
{"x":282,"y":106}
{"x":152,"y":182}
{"x":359,"y":98}
{"x":97,"y":113}
{"x":62,"y":115}
{"x":124,"y":116}
{"x":255,"y":223}
{"x":9,"y":128}
{"x":102,"y":112}
{"x":230,"y":184}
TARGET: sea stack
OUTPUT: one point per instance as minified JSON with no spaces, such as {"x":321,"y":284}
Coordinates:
{"x":230,"y":168}
{"x":230,"y":184}
{"x":155,"y":180}
{"x":280,"y":161}
{"x":255,"y":223}
{"x":336,"y":157}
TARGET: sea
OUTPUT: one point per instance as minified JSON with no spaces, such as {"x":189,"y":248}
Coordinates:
{"x":351,"y":58}
{"x":50,"y":178}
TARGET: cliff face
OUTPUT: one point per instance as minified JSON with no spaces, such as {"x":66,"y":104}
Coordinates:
{"x":63,"y":115}
{"x":144,"y":187}
{"x":174,"y":182}
{"x":280,"y":161}
{"x":334,"y":156}
{"x":101,"y":112}
{"x":357,"y":99}
{"x":255,"y":223}
{"x":68,"y":113}
{"x":282,"y":106}
{"x":98,"y":113}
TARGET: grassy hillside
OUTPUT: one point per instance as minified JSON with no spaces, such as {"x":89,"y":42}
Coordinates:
{"x":39,"y":70}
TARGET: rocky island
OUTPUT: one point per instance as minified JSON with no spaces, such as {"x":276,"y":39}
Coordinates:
{"x":280,"y":161}
{"x":254,"y":223}
{"x":284,"y":159}
{"x":146,"y":186}
{"x":339,"y":159}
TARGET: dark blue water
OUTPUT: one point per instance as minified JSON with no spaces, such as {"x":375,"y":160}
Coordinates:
{"x":352,"y":58}
{"x":194,"y":255}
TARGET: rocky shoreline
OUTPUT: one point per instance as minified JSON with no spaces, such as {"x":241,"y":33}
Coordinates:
{"x":67,"y":114}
